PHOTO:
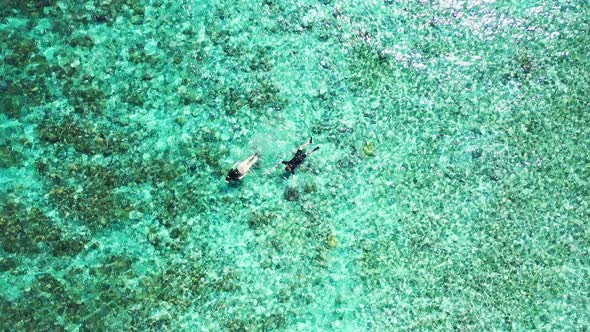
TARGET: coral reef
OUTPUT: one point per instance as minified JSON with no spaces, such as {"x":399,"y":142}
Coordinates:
{"x":9,"y":157}
{"x":32,"y":232}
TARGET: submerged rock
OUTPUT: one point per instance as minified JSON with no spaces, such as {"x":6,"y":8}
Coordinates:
{"x":369,"y":149}
{"x":291,"y":194}
{"x":4,"y":84}
{"x":331,"y":241}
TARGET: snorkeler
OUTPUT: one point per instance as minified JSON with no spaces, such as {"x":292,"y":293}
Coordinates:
{"x":239,"y":170}
{"x":298,"y":158}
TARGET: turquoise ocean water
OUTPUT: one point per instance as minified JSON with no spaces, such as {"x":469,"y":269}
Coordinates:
{"x":450,"y":191}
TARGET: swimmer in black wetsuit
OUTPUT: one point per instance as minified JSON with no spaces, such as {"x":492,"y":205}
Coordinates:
{"x":298,"y":158}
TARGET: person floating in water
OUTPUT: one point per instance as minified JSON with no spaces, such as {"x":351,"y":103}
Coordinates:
{"x":239,"y":170}
{"x":299,"y":157}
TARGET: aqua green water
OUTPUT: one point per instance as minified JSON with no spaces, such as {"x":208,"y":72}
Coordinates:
{"x":450,"y":190}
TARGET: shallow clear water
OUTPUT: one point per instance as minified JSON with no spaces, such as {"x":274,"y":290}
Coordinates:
{"x":450,"y":190}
